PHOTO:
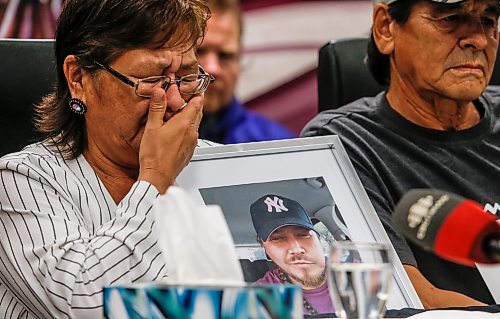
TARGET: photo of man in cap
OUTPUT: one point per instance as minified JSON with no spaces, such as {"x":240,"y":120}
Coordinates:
{"x":289,"y":239}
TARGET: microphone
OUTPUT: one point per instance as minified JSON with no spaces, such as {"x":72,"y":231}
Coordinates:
{"x":454,"y":228}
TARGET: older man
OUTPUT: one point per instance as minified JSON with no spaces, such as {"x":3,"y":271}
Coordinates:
{"x":437,"y":126}
{"x":290,"y":241}
{"x":225,"y":119}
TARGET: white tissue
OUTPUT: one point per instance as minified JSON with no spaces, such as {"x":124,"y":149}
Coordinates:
{"x":195,"y":241}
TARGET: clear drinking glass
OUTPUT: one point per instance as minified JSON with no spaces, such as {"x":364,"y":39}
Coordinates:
{"x":359,"y":278}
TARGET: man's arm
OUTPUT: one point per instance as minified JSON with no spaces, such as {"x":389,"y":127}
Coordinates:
{"x":433,"y":297}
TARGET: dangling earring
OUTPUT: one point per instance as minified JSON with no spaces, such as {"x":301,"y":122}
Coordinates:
{"x":77,"y":106}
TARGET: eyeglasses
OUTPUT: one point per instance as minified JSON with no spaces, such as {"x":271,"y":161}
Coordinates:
{"x":188,"y":84}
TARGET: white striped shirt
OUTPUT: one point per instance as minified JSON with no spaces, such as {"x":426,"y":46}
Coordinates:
{"x":62,"y":237}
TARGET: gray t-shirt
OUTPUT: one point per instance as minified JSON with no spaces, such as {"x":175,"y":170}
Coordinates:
{"x":392,"y":155}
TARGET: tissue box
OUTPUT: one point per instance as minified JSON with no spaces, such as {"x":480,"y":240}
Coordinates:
{"x":203,"y":302}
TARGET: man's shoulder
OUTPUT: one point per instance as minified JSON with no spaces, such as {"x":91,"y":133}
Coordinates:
{"x":270,"y":277}
{"x":253,"y":127}
{"x":492,"y":94}
{"x":361,"y":109}
{"x":252,"y":117}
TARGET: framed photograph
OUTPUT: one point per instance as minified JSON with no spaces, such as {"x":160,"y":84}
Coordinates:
{"x":305,"y":176}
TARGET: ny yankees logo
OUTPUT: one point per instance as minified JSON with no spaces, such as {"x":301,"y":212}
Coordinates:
{"x":277,"y":203}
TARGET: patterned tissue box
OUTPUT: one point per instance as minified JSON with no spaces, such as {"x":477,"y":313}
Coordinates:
{"x":203,"y":302}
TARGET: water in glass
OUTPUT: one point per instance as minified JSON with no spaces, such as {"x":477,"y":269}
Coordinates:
{"x":359,"y":276}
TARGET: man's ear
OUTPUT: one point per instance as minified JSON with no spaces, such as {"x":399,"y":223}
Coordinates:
{"x":383,"y":28}
{"x":261,"y":242}
{"x":74,"y":76}
{"x":267,"y":256}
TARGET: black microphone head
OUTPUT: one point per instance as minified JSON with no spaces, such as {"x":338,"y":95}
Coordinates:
{"x":420,"y":213}
{"x":451,"y":226}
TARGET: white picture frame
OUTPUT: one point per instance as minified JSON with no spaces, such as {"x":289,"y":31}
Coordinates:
{"x":235,"y":175}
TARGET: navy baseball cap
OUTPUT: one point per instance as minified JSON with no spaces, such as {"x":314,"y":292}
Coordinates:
{"x":440,"y":1}
{"x":271,"y":212}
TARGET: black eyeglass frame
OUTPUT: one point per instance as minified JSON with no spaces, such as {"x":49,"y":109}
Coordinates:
{"x":123,"y":78}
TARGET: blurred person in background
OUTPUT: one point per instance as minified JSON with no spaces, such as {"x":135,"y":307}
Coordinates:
{"x":122,"y":122}
{"x":437,"y":125}
{"x":225,"y":119}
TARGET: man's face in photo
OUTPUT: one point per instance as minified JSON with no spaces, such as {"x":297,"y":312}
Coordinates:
{"x":299,"y":253}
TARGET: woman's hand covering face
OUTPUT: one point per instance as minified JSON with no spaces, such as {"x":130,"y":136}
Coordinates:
{"x":167,"y":146}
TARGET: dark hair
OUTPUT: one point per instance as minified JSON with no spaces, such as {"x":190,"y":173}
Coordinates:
{"x":102,"y":30}
{"x":379,"y":63}
{"x":227,"y":6}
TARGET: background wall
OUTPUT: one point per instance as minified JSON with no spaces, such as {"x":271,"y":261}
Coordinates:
{"x":281,"y":40}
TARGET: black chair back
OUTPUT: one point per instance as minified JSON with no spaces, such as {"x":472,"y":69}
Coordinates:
{"x":28,"y":73}
{"x":343,"y":76}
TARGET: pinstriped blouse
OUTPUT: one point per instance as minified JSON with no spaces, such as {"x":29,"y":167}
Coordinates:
{"x":62,"y":237}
